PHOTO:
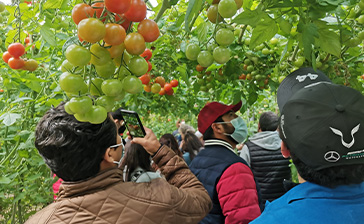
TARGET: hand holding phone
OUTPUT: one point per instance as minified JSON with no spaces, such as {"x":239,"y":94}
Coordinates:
{"x":133,"y":123}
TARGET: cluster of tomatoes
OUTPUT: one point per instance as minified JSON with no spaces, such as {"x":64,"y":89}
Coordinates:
{"x":113,"y":56}
{"x":216,"y":52}
{"x":13,"y":58}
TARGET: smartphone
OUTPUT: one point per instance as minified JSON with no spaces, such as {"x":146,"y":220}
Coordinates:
{"x":133,"y":123}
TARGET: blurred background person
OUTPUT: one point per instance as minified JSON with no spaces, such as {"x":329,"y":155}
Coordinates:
{"x":190,"y":146}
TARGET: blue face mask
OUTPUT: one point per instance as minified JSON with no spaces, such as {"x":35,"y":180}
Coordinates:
{"x":241,"y":131}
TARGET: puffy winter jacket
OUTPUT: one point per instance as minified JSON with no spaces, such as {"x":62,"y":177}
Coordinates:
{"x":105,"y":198}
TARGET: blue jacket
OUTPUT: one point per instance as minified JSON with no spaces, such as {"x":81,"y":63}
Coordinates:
{"x":208,"y":166}
{"x":311,"y":203}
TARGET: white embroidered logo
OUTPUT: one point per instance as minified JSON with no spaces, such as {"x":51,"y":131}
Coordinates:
{"x":332,"y":156}
{"x":338,"y":132}
{"x":302,"y":78}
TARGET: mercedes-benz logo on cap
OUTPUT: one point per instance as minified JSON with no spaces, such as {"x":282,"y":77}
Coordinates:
{"x":332,"y":156}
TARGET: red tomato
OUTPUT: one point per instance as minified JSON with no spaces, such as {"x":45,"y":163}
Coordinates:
{"x":167,"y":87}
{"x":174,"y":83}
{"x":117,"y":6}
{"x":16,"y":50}
{"x":6,"y":56}
{"x":149,"y":30}
{"x":1,"y":90}
{"x":27,"y":40}
{"x":134,"y":43}
{"x":170,"y":92}
{"x":137,"y":11}
{"x":16,"y":63}
{"x":145,"y":78}
{"x":125,"y":22}
{"x":150,"y":66}
{"x":115,"y":34}
{"x":81,"y":11}
{"x":147,"y":54}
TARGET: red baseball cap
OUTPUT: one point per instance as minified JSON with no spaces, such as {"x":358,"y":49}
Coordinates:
{"x":211,"y":111}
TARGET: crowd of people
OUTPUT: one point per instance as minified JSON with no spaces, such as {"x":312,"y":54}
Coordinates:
{"x":198,"y":176}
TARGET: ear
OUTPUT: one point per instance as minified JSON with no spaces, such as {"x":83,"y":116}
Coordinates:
{"x":259,"y":127}
{"x":108,"y":155}
{"x":284,"y":150}
{"x":217,"y":128}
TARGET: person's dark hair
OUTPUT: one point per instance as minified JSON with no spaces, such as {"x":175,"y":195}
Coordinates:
{"x":73,"y":150}
{"x":328,"y":177}
{"x":136,"y":156}
{"x":209,"y":133}
{"x":268,"y":121}
{"x":191,"y":144}
{"x":117,"y":115}
{"x":170,"y":141}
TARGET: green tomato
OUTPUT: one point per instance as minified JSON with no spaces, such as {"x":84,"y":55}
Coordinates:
{"x":192,"y":51}
{"x":205,"y":59}
{"x":221,"y":55}
{"x":138,"y":66}
{"x":68,"y":67}
{"x":250,"y":68}
{"x":123,"y":72}
{"x":132,"y":84}
{"x":361,"y":35}
{"x":265,"y":51}
{"x":81,"y":117}
{"x":96,"y":115}
{"x":99,"y":55}
{"x":70,"y":82}
{"x":225,"y":37}
{"x":361,"y":19}
{"x":80,"y":105}
{"x":273,"y":41}
{"x":211,"y":47}
{"x":105,"y":101}
{"x":299,"y":62}
{"x":361,"y":5}
{"x":227,"y":8}
{"x":280,"y":78}
{"x":155,"y":88}
{"x":95,"y":88}
{"x":67,"y":108}
{"x":112,"y":87}
{"x":106,"y":70}
{"x":2,"y":6}
{"x":77,"y":55}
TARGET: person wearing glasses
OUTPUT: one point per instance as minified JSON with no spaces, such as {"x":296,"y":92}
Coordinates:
{"x":88,"y":156}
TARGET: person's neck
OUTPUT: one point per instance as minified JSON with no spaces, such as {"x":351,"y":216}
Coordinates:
{"x":226,"y":139}
{"x":300,"y":179}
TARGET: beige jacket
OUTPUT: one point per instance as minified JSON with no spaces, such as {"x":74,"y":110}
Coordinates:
{"x":105,"y":198}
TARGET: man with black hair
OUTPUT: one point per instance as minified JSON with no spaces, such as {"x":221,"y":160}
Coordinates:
{"x":119,"y":121}
{"x":87,"y":157}
{"x":262,"y":152}
{"x":226,"y":176}
{"x":322,"y":129}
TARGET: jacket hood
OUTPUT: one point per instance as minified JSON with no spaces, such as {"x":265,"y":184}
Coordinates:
{"x":267,"y":139}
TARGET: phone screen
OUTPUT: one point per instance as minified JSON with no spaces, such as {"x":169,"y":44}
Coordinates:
{"x":133,"y":124}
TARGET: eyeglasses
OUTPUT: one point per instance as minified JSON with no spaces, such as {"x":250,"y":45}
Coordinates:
{"x":117,"y":145}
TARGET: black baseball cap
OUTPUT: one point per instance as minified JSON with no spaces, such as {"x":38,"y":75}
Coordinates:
{"x":323,"y":125}
{"x":296,"y":81}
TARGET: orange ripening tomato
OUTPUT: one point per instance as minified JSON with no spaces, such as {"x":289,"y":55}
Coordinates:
{"x":115,"y":34}
{"x":137,"y":11}
{"x":162,"y":91}
{"x":117,"y":6}
{"x":81,"y":11}
{"x":98,"y":7}
{"x":6,"y":56}
{"x":16,"y":63}
{"x":145,"y":78}
{"x":167,"y":87}
{"x":149,"y":30}
{"x":16,"y":50}
{"x":148,"y":88}
{"x":134,"y":43}
{"x":150,"y":66}
{"x":30,"y":65}
{"x":160,"y":80}
{"x":116,"y":50}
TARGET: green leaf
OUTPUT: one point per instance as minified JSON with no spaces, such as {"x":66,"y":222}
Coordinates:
{"x":284,"y":25}
{"x":48,"y":35}
{"x":329,"y":41}
{"x":21,"y":100}
{"x":182,"y":69}
{"x":9,"y":118}
{"x":53,"y":4}
{"x":263,"y":32}
{"x":248,"y":17}
{"x":5,"y":180}
{"x":309,"y":32}
{"x":193,"y":10}
{"x":202,"y":31}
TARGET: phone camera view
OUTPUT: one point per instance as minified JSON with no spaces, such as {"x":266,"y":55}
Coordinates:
{"x":133,"y":125}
